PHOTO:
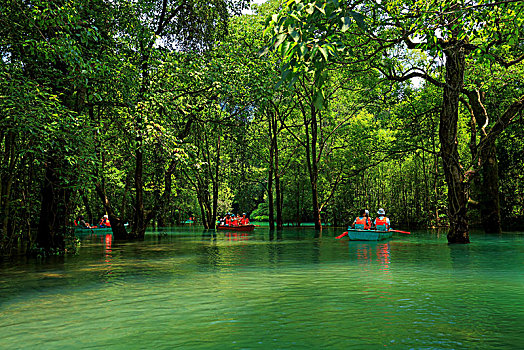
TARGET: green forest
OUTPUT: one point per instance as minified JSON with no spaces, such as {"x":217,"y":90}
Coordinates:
{"x":153,"y":111}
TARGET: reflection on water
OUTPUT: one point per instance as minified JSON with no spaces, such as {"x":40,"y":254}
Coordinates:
{"x":193,"y":288}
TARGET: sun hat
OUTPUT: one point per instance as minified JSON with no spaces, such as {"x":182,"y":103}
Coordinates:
{"x":381,"y":212}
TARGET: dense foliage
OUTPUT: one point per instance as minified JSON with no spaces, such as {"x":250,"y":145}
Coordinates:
{"x":154,"y":111}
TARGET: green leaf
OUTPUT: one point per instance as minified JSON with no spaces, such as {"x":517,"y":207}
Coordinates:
{"x":293,"y":81}
{"x":285,"y":74}
{"x":285,"y":48}
{"x":319,"y":100}
{"x":359,"y":18}
{"x":310,"y":9}
{"x":263,"y":51}
{"x":303,"y":49}
{"x":323,"y":50}
{"x":294,"y":34}
{"x":279,"y":40}
{"x":346,"y":22}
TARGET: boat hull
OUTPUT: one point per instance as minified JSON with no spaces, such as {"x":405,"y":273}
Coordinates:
{"x":95,"y":230}
{"x":368,"y":235}
{"x":236,"y":228}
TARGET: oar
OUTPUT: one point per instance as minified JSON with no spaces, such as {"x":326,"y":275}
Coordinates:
{"x":342,"y":235}
{"x":408,"y":233}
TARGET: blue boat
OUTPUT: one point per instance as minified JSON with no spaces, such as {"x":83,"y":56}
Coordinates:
{"x":368,"y":235}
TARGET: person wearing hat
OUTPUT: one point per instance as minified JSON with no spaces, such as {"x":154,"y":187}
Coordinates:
{"x":235,"y":220}
{"x":368,"y":219}
{"x":227,"y":220}
{"x":244,"y":220}
{"x":382,"y":222}
{"x":104,"y":222}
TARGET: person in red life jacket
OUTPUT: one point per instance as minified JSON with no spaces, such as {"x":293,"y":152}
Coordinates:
{"x":227,"y":220}
{"x":81,"y":222}
{"x":235,"y":220}
{"x":244,"y":220}
{"x":368,"y":220}
{"x":382,"y":222}
{"x":104,"y":222}
{"x":362,"y":222}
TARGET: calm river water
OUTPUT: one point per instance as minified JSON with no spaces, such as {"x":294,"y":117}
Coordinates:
{"x":188,"y":289}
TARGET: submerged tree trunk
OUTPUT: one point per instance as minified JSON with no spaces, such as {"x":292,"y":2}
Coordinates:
{"x":216,"y":181}
{"x":457,"y":197}
{"x":139,"y":225}
{"x":6,"y":183}
{"x":311,"y":155}
{"x":487,"y":180}
{"x":489,"y":196}
{"x":52,"y":211}
{"x":271,"y":202}
{"x":278,"y":189}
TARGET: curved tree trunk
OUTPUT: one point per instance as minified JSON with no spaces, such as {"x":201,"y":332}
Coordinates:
{"x":487,"y":181}
{"x":117,"y":223}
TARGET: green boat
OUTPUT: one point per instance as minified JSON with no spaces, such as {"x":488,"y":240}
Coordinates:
{"x":95,"y":230}
{"x":368,"y":235}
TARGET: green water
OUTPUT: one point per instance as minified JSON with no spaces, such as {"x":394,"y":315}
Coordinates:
{"x":183,"y":288}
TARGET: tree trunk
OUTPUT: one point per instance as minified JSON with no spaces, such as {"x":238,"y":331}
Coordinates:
{"x":139,"y":219}
{"x":311,"y":154}
{"x":457,"y":197}
{"x":139,"y":225}
{"x":202,"y":211}
{"x":487,"y":184}
{"x":271,"y":201}
{"x":6,"y":183}
{"x":489,"y":195}
{"x":51,"y":211}
{"x":298,"y":195}
{"x":278,"y":190}
{"x":216,"y":181}
{"x":117,"y":223}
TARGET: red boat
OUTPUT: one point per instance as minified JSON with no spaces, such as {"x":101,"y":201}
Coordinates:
{"x":236,"y":228}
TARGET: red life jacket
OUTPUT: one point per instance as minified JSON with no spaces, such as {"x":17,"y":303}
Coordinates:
{"x":382,"y":221}
{"x":244,"y":221}
{"x":362,"y":220}
{"x":228,"y":221}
